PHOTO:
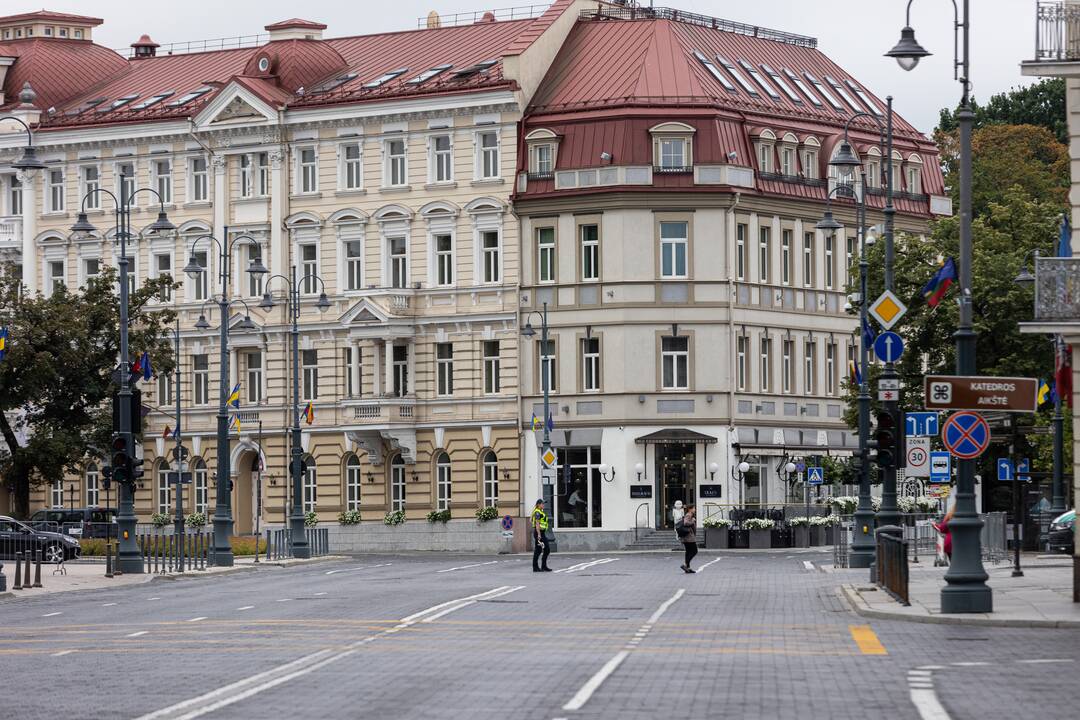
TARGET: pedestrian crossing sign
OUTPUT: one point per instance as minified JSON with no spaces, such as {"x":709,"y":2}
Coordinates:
{"x":815,"y":475}
{"x":549,"y":458}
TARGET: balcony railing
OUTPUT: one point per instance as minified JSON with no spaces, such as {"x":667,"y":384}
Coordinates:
{"x":1057,"y":31}
{"x":11,"y":231}
{"x":1057,"y":289}
{"x":385,"y":411}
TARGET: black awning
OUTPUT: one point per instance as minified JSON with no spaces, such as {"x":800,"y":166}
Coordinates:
{"x":672,"y":436}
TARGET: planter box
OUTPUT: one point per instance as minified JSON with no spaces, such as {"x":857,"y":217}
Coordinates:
{"x":817,"y":535}
{"x":800,"y":536}
{"x":717,"y":538}
{"x":760,"y":539}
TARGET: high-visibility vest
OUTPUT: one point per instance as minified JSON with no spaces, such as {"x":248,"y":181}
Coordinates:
{"x":540,"y":519}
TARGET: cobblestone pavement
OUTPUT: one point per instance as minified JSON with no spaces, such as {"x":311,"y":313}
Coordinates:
{"x":751,"y":635}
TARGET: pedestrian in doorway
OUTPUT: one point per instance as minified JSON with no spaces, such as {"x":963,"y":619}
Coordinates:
{"x":541,"y":550}
{"x":677,"y":513}
{"x":687,"y":531}
{"x":946,"y":533}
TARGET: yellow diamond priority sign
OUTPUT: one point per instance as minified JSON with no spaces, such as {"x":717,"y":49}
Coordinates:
{"x":887,"y":310}
{"x":548,"y":458}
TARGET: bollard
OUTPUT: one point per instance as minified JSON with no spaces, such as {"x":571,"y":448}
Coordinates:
{"x":108,"y":560}
{"x":116,"y":559}
{"x":26,"y":571}
{"x":37,"y":568}
{"x":3,"y":579}
{"x":18,"y":572}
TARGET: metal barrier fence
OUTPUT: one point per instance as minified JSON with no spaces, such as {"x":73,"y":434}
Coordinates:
{"x":922,"y":538}
{"x":992,"y":537}
{"x":279,"y":542}
{"x":175,"y":553}
{"x":892,"y":562}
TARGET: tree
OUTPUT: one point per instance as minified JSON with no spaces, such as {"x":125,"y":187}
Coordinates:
{"x":56,"y":382}
{"x":1041,"y":104}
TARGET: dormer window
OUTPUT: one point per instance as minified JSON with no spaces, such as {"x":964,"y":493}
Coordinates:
{"x":872,"y":166}
{"x":543,"y":147}
{"x":808,"y":158}
{"x":788,"y":146}
{"x":765,"y":149}
{"x":672,"y":147}
{"x":913,"y":174}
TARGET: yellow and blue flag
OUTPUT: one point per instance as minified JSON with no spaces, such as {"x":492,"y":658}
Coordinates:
{"x":536,"y":424}
{"x":1045,"y":392}
{"x":309,"y":414}
{"x":853,"y":370}
{"x":234,"y":397}
{"x":3,"y":342}
{"x":236,"y":422}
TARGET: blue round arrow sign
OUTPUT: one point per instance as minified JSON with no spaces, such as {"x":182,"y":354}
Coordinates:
{"x":888,"y":347}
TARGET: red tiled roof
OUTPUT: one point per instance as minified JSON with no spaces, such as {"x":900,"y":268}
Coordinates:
{"x":58,"y":70}
{"x":49,"y":15}
{"x":295,"y":23}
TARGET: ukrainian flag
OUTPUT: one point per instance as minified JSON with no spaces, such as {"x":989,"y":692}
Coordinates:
{"x":3,"y":342}
{"x":536,"y":424}
{"x":234,"y":397}
{"x":236,"y":422}
{"x":1044,"y":392}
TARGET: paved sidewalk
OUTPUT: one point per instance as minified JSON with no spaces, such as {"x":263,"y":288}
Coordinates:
{"x":1041,"y":598}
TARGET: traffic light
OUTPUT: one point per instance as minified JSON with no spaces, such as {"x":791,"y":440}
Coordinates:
{"x":885,"y":440}
{"x":121,"y":467}
{"x":136,"y":469}
{"x":106,"y":477}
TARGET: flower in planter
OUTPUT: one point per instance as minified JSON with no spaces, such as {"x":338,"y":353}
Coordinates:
{"x":160,"y":519}
{"x":797,"y":521}
{"x":195,"y":520}
{"x":438,"y":516}
{"x":716,"y":523}
{"x":926,"y":504}
{"x":759,"y":524}
{"x":487,"y":513}
{"x":311,"y":519}
{"x":823,"y":520}
{"x":349,"y":517}
{"x":844,"y":504}
{"x":905,"y":504}
{"x":394,"y":518}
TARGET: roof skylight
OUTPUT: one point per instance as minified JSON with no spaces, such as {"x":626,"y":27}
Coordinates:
{"x":738,"y":76}
{"x":473,"y":69}
{"x":715,"y":71}
{"x":385,"y":78}
{"x":825,"y":93}
{"x":803,"y":87}
{"x":153,"y":100}
{"x":842,"y":93}
{"x":759,"y":80}
{"x":781,"y":84}
{"x":862,"y":96}
{"x":189,"y":96}
{"x":119,"y":102}
{"x":84,"y":106}
{"x":332,"y":83}
{"x":428,"y":74}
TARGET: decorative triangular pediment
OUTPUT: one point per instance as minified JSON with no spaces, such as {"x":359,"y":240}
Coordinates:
{"x":364,"y":312}
{"x":237,"y":108}
{"x":235,"y":105}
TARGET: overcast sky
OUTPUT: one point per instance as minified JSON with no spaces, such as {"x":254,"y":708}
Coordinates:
{"x":854,"y":33}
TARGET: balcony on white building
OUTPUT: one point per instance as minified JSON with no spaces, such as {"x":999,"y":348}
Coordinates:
{"x":10,"y":235}
{"x":1057,"y":40}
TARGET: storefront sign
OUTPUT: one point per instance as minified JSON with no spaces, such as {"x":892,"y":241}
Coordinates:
{"x":709,"y":491}
{"x":641,"y":491}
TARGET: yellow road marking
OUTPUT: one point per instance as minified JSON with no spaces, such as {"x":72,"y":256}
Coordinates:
{"x":867,"y":640}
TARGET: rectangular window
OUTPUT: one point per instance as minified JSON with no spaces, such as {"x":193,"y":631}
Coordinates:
{"x":590,"y":364}
{"x":394,"y":172}
{"x":830,"y":239}
{"x":247,"y":177}
{"x":254,"y":362}
{"x":488,"y":143}
{"x":808,"y":260}
{"x":347,"y":364}
{"x":311,"y":488}
{"x":830,"y":369}
{"x":590,"y":252}
{"x":786,"y":367}
{"x":91,"y":269}
{"x":741,"y":344}
{"x":545,"y":254}
{"x":543,"y":159}
{"x":809,"y":164}
{"x":93,"y":489}
{"x":444,"y":483}
{"x":787,"y":161}
{"x":578,"y":491}
{"x":401,"y":370}
{"x":15,"y":198}
{"x":163,"y":180}
{"x":914,"y":184}
{"x":352,"y":484}
{"x":740,"y":251}
{"x":199,"y":287}
{"x":354,"y":275}
{"x":764,"y":153}
{"x":766,"y":364}
{"x":547,"y":365}
{"x":163,"y":268}
{"x":873,"y":173}
{"x":397,"y":487}
{"x":200,"y":183}
{"x":398,"y":262}
{"x":262,"y":174}
{"x":309,"y":170}
{"x":90,"y":182}
{"x":352,"y":172}
{"x":57,"y":494}
{"x":444,"y":369}
{"x":491,"y":481}
{"x":489,"y":240}
{"x":253,"y":252}
{"x":309,"y":364}
{"x":164,"y":390}
{"x":673,"y":249}
{"x":672,"y":153}
{"x":764,"y":238}
{"x":57,"y":276}
{"x":785,"y":257}
{"x":675,"y":363}
{"x":164,"y":500}
{"x":442,"y":159}
{"x":309,"y":268}
{"x":444,"y":260}
{"x":491,"y":367}
{"x":808,"y":373}
{"x":125,"y":180}
{"x":56,"y":190}
{"x":200,"y":381}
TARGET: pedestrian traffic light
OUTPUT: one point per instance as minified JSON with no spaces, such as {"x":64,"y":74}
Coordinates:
{"x":885,"y":440}
{"x":106,"y":477}
{"x":121,"y":469}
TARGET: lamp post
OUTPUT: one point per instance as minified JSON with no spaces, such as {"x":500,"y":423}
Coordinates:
{"x":297,"y":536}
{"x":966,"y":590}
{"x":738,"y":474}
{"x":545,"y":370}
{"x":123,"y":439}
{"x":223,"y":521}
{"x":178,"y":456}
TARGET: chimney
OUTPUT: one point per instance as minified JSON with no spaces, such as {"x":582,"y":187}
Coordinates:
{"x":295,"y":29}
{"x":145,"y":47}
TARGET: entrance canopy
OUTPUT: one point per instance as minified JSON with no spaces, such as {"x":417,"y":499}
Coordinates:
{"x":673,"y":436}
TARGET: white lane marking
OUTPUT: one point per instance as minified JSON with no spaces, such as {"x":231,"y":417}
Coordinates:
{"x":138,"y":634}
{"x":108,"y":604}
{"x":284,"y":599}
{"x":702,"y":568}
{"x":584,"y":565}
{"x":52,"y":614}
{"x":322,"y":593}
{"x":919,"y":673}
{"x":197,"y":619}
{"x":592,"y":684}
{"x":455,"y":608}
{"x":928,"y":705}
{"x":62,"y":653}
{"x":153,"y":598}
{"x":808,"y":565}
{"x":931,"y":667}
{"x":246,"y":607}
{"x":362,"y":567}
{"x":247,"y":687}
{"x":970,"y":664}
{"x":1046,"y":660}
{"x":466,"y":567}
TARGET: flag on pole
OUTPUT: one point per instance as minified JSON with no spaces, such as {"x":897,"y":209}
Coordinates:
{"x":1065,"y":238}
{"x":1044,"y":392}
{"x":234,"y":397}
{"x":309,"y":414}
{"x":1063,"y":373}
{"x":853,"y":370}
{"x":1053,"y":392}
{"x":868,"y":335}
{"x":939,"y":284}
{"x":3,"y":342}
{"x":536,"y":423}
{"x":136,"y":367}
{"x":169,"y":433}
{"x":550,"y":423}
{"x":147,"y":371}
{"x":236,"y":422}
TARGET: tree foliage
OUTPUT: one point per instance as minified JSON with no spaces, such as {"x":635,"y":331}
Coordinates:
{"x":57,"y":375}
{"x":1042,"y":104}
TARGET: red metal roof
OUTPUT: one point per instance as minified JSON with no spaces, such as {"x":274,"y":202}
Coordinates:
{"x":537,"y":27}
{"x":58,"y":70}
{"x":295,"y":23}
{"x":51,"y":16}
{"x":298,"y":63}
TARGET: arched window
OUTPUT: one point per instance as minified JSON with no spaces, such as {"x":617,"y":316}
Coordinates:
{"x":310,"y":485}
{"x":397,"y":484}
{"x":491,"y":479}
{"x":93,"y":489}
{"x":198,"y":469}
{"x":164,"y":490}
{"x":352,"y":483}
{"x":442,"y":482}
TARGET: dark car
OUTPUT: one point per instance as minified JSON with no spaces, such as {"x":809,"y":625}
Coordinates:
{"x":17,"y":537}
{"x":1062,"y":534}
{"x":86,"y":522}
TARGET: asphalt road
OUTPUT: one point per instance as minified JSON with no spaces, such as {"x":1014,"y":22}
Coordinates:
{"x":752,"y":635}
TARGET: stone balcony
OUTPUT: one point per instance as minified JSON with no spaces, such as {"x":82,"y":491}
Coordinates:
{"x":10,"y":235}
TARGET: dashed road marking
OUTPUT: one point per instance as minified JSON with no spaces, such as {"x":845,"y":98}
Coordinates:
{"x":584,"y":565}
{"x":319,"y":594}
{"x":138,"y":634}
{"x":1046,"y":660}
{"x":245,"y":607}
{"x":108,"y":604}
{"x":808,"y":565}
{"x":62,"y":653}
{"x":455,"y":608}
{"x":702,"y":568}
{"x":197,"y":619}
{"x":867,"y":640}
{"x":52,"y":614}
{"x":466,"y":567}
{"x":923,"y":695}
{"x":362,"y":567}
{"x":284,"y":599}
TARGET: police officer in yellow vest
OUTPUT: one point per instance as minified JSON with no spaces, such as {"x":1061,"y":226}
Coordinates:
{"x":540,"y":539}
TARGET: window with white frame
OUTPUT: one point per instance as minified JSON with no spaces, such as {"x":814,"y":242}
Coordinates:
{"x":740,"y":251}
{"x":247,"y":177}
{"x":764,"y":241}
{"x":491,"y":479}
{"x":200,"y":380}
{"x":545,"y":254}
{"x":786,"y":367}
{"x":765,"y":369}
{"x":895,"y":180}
{"x":810,"y":163}
{"x":164,"y":390}
{"x":309,"y":364}
{"x":830,"y":369}
{"x":311,"y":484}
{"x":808,"y":259}
{"x":547,"y":365}
{"x":162,"y":170}
{"x":444,"y":369}
{"x":487,"y":148}
{"x":873,"y":172}
{"x":350,"y":359}
{"x":675,"y":363}
{"x":590,"y":364}
{"x":787,"y":160}
{"x":672,"y":153}
{"x":309,"y":268}
{"x":397,"y":484}
{"x":15,"y":195}
{"x":741,"y":344}
{"x":674,"y":244}
{"x":444,"y":260}
{"x":785,"y":257}
{"x":133,"y":270}
{"x":849,"y":259}
{"x":491,"y":257}
{"x":491,"y":367}
{"x":125,"y":180}
{"x":914,"y":178}
{"x":590,"y":252}
{"x":442,"y":159}
{"x":352,"y":167}
{"x":443,"y":482}
{"x":89,"y":182}
{"x":251,"y":253}
{"x":395,"y":166}
{"x":765,"y":157}
{"x":202,"y":486}
{"x":253,"y":362}
{"x":55,"y":188}
{"x":809,"y":369}
{"x":400,"y":367}
{"x":830,"y":264}
{"x":56,"y":494}
{"x":200,"y":280}
{"x":354,"y":267}
{"x":91,"y":268}
{"x":399,"y":268}
{"x":200,"y":180}
{"x":308,"y":170}
{"x":93,"y":486}
{"x":542,"y":157}
{"x":164,"y":489}
{"x":57,"y":276}
{"x":352,"y":483}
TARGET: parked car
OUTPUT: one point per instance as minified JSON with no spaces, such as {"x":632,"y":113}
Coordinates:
{"x":87,"y":522}
{"x":18,"y":537}
{"x":1062,"y":534}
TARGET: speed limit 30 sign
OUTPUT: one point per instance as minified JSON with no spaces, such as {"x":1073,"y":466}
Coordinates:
{"x":918,"y":457}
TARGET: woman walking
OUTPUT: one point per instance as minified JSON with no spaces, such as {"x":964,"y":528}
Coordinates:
{"x":943,"y":528}
{"x":676,"y":514}
{"x":687,"y":530}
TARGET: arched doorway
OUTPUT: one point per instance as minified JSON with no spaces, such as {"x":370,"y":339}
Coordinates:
{"x":244,"y":500}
